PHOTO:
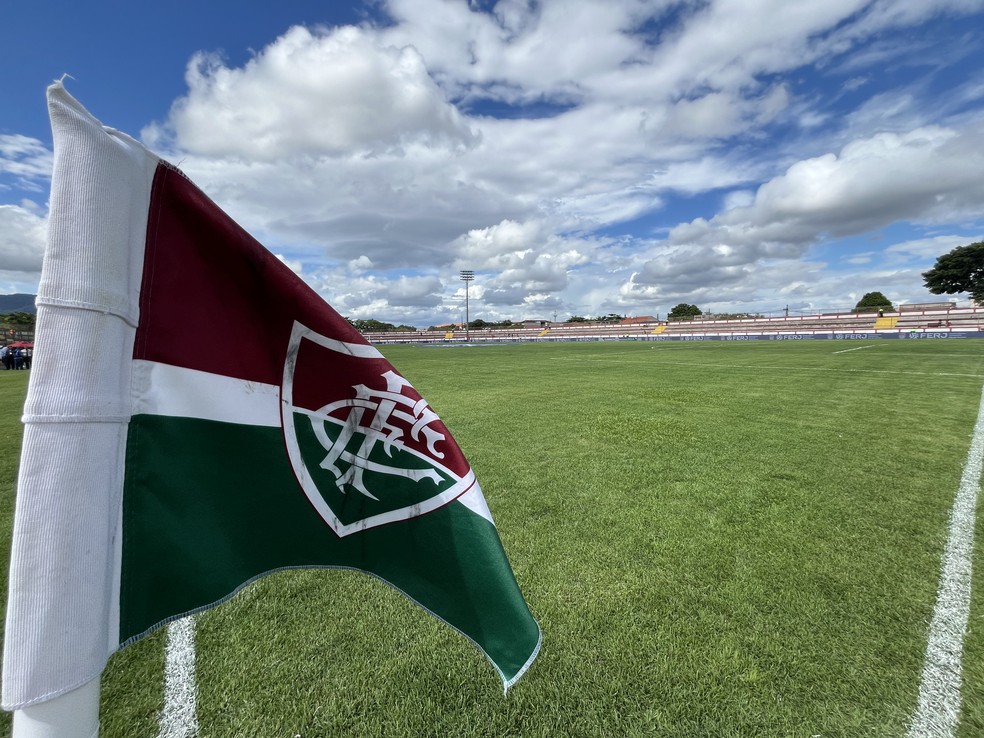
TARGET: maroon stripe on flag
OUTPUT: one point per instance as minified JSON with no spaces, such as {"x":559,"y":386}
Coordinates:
{"x":213,"y":298}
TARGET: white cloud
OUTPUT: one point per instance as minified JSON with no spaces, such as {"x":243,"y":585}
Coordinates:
{"x":523,"y":259}
{"x":24,"y":156}
{"x":25,"y":160}
{"x":295,"y":265}
{"x":924,"y":175}
{"x":738,"y":199}
{"x":338,"y":93}
{"x":392,"y":299}
{"x":418,"y":291}
{"x":927,"y":175}
{"x":521,"y":50}
{"x":22,"y":238}
{"x":362,"y":264}
{"x":930,"y":248}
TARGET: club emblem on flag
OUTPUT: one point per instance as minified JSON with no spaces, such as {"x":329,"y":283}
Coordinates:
{"x":365,"y":447}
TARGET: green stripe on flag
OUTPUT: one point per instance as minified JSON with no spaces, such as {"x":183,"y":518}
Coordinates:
{"x":209,"y":506}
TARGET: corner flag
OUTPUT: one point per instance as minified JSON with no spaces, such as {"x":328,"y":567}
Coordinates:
{"x":198,"y":417}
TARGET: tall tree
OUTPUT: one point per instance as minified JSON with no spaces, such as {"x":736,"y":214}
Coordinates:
{"x":683,"y":311}
{"x":873,"y":301}
{"x":961,"y":270}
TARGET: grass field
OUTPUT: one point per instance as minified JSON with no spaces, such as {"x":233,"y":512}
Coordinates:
{"x":718,"y":539}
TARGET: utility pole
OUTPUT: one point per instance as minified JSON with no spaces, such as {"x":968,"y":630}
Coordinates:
{"x":466,"y":276}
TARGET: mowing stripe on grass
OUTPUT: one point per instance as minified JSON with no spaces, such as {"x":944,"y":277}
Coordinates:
{"x":938,"y":711}
{"x":642,"y":361}
{"x":857,"y":348}
{"x":179,"y":718}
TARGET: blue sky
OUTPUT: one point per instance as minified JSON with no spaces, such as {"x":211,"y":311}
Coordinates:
{"x":582,"y":158}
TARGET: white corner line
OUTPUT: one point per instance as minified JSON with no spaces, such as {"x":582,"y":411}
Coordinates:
{"x":938,"y":712}
{"x":856,"y":348}
{"x":179,"y":716}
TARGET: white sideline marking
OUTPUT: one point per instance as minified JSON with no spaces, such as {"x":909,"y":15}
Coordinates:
{"x":858,"y":348}
{"x":179,"y":718}
{"x":938,"y":712}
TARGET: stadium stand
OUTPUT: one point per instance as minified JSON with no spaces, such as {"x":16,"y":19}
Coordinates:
{"x":931,"y":317}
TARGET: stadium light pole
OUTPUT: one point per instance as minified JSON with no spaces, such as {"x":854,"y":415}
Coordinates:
{"x":466,"y":276}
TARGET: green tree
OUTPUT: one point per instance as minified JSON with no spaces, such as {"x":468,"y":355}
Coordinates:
{"x":577,"y":319}
{"x":375,"y":326}
{"x":13,"y":325}
{"x":610,"y":318}
{"x":684,"y":311}
{"x":21,"y":320}
{"x":961,"y":270}
{"x":873,"y":301}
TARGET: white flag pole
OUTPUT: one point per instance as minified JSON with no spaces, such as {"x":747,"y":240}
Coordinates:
{"x":71,"y":715}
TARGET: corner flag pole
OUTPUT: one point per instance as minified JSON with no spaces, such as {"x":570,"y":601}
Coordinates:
{"x":71,"y":715}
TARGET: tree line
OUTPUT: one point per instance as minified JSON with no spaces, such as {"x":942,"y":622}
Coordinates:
{"x":15,"y":323}
{"x":24,"y":321}
{"x":500,"y":324}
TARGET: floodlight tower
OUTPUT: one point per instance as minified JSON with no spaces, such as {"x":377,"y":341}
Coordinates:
{"x":466,"y":276}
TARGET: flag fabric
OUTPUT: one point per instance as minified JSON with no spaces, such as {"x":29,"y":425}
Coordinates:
{"x":198,"y":417}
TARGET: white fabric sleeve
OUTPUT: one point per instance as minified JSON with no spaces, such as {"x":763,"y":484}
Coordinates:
{"x":63,"y":604}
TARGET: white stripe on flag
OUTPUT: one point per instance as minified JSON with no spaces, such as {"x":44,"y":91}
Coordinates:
{"x":162,"y":389}
{"x":474,"y":500}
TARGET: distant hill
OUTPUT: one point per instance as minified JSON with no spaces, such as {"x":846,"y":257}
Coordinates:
{"x":17,"y":303}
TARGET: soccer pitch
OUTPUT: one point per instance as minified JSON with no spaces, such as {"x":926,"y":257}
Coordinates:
{"x":718,"y":539}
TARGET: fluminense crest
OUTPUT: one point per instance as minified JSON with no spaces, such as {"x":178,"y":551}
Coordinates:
{"x":365,"y":447}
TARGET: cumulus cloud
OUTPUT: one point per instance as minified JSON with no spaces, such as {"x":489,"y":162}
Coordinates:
{"x":22,"y":239}
{"x":928,"y":175}
{"x":519,"y":51}
{"x":362,"y":264}
{"x":25,"y":163}
{"x":930,"y":248}
{"x":295,"y":265}
{"x":379,"y":296}
{"x":420,"y":291}
{"x":521,"y":259}
{"x":337,"y":93}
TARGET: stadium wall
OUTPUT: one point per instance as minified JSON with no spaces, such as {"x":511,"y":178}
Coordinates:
{"x":817,"y":335}
{"x":863,"y":336}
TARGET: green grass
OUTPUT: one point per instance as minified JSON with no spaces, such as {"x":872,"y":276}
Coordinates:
{"x":718,"y":539}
